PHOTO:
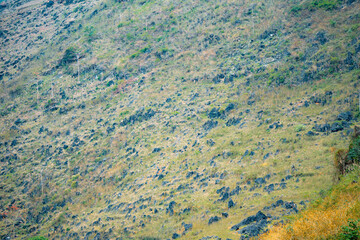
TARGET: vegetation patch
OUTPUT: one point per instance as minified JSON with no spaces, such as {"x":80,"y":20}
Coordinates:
{"x":336,"y":215}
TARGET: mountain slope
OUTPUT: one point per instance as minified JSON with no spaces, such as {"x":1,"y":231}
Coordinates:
{"x":162,"y":119}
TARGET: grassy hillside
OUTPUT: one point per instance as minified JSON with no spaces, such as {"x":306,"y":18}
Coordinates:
{"x":165,"y":120}
{"x":334,"y":217}
{"x":336,"y":214}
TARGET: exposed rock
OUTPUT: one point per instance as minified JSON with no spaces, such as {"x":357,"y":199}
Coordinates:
{"x":210,"y":142}
{"x":231,"y":203}
{"x":212,"y":38}
{"x":156,"y":150}
{"x":259,"y":181}
{"x":350,"y":62}
{"x":49,"y":3}
{"x":291,"y":205}
{"x":233,"y":121}
{"x":214,"y":219}
{"x":14,"y":143}
{"x":322,"y":127}
{"x":230,"y":107}
{"x":275,"y":125}
{"x":268,"y":33}
{"x":175,"y":236}
{"x":187,"y":227}
{"x":63,"y":110}
{"x":266,"y":156}
{"x":215,"y":113}
{"x":321,"y":37}
{"x":77,"y":142}
{"x":310,"y":133}
{"x":110,"y":129}
{"x":253,"y":230}
{"x":139,"y":116}
{"x":170,"y":208}
{"x":210,"y":238}
{"x":335,"y":127}
{"x":82,"y":105}
{"x":255,"y":218}
{"x":210,"y":125}
{"x":19,"y":121}
{"x":344,"y":116}
{"x":322,"y":98}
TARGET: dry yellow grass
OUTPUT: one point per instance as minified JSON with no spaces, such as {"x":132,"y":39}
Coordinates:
{"x":324,"y":220}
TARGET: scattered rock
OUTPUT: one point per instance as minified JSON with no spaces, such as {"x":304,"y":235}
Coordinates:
{"x":19,"y":122}
{"x":322,"y":127}
{"x":255,"y":218}
{"x":322,"y":98}
{"x":344,"y":116}
{"x":139,"y":116}
{"x":310,"y":133}
{"x":170,"y":208}
{"x":214,"y":219}
{"x":350,"y":62}
{"x":187,"y":227}
{"x":275,"y":125}
{"x":210,"y":238}
{"x":268,"y":33}
{"x":49,"y":4}
{"x":233,"y":121}
{"x":259,"y":181}
{"x":253,"y":230}
{"x":156,"y":150}
{"x":175,"y":236}
{"x":215,"y":113}
{"x":335,"y":127}
{"x":210,"y":125}
{"x":291,"y":205}
{"x":14,"y":143}
{"x":321,"y":37}
{"x":210,"y":142}
{"x":231,"y":203}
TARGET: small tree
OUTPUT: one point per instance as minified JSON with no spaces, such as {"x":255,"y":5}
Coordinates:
{"x":69,"y":56}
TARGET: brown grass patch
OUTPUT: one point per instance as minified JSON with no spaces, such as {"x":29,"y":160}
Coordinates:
{"x":322,"y":221}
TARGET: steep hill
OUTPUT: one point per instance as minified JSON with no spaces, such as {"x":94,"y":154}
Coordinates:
{"x":162,"y":120}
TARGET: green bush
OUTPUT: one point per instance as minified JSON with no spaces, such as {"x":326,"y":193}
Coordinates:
{"x":299,"y":128}
{"x":354,"y":151}
{"x":90,"y":33}
{"x":74,"y":184}
{"x":296,"y":9}
{"x":69,"y":56}
{"x":38,"y":238}
{"x":316,"y":4}
{"x":350,"y":231}
{"x":325,"y":4}
{"x":134,"y":55}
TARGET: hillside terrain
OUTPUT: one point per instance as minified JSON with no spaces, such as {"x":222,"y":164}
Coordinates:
{"x":193,"y":119}
{"x":336,"y":212}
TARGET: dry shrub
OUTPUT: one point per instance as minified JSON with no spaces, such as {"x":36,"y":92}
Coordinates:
{"x":340,"y":161}
{"x":323,"y":221}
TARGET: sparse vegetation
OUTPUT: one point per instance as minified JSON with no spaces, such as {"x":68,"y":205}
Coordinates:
{"x":37,"y":238}
{"x":140,"y":120}
{"x":331,"y":216}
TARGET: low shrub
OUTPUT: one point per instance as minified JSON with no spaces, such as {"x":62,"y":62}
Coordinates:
{"x":350,"y":231}
{"x":38,"y":238}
